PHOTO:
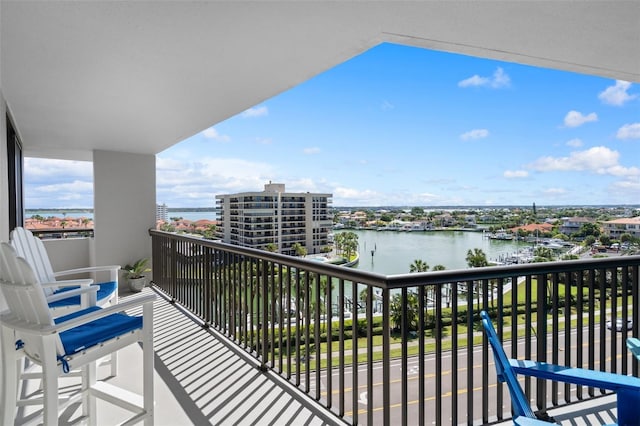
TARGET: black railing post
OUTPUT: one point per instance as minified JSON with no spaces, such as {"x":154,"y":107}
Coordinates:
{"x":437,"y":291}
{"x":369,"y":325}
{"x":541,"y":339}
{"x":386,"y":347}
{"x":264,"y":326}
{"x":404,"y":336}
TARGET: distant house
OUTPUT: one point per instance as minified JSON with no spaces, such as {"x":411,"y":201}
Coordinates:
{"x":616,"y":227}
{"x":533,"y":227}
{"x":444,"y":220}
{"x":470,"y":221}
{"x":571,"y":225}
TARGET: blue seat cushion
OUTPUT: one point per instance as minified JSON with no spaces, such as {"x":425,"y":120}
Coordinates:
{"x":97,"y":331}
{"x":104,"y":291}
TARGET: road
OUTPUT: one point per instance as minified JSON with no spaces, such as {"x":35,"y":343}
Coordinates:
{"x":447,"y":384}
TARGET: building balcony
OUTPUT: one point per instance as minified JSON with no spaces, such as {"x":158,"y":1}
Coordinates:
{"x":253,"y":327}
{"x":242,"y":336}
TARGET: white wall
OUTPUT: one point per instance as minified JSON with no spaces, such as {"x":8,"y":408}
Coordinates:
{"x":124,"y":206}
{"x":69,"y":253}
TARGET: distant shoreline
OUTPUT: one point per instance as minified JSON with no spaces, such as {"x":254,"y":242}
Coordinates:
{"x":213,"y":209}
{"x":80,"y":210}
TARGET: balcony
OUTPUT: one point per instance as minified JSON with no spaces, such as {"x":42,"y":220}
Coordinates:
{"x":153,"y":104}
{"x":227,"y":355}
{"x":279,"y":312}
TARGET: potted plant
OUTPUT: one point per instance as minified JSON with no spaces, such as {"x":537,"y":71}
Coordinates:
{"x":135,"y":274}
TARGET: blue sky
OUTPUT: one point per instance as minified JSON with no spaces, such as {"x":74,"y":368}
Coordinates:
{"x":404,"y":126}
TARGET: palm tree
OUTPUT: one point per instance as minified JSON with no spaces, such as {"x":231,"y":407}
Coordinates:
{"x":347,"y":242}
{"x":395,"y":311}
{"x":299,"y":249}
{"x":210,"y":232}
{"x":418,"y":265}
{"x":477,"y":259}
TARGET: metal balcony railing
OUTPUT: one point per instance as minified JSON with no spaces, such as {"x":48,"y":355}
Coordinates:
{"x":407,"y":349}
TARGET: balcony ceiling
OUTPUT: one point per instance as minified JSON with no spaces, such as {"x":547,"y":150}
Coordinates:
{"x":142,"y":76}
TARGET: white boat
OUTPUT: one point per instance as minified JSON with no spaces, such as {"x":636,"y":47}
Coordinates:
{"x":501,"y":235}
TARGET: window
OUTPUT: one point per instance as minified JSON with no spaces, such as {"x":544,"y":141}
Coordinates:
{"x":14,"y":161}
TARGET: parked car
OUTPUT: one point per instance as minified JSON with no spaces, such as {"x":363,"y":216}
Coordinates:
{"x":620,"y":324}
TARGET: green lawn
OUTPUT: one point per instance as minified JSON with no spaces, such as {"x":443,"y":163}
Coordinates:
{"x":462,"y":337}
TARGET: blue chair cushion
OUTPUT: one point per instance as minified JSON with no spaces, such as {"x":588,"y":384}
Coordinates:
{"x":104,"y":291}
{"x":95,"y":332}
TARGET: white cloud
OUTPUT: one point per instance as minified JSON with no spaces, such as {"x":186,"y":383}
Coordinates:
{"x":311,"y":150}
{"x":617,"y":95}
{"x":629,"y":131}
{"x":630,"y":186}
{"x":259,"y":111}
{"x":599,"y":160}
{"x":351,"y":196}
{"x":264,"y":141}
{"x":554,"y":191}
{"x":498,"y":80}
{"x":575,"y":118}
{"x":516,"y":174}
{"x":75,"y":187}
{"x":575,"y":143}
{"x":474,"y":134}
{"x":212,"y":133}
{"x":50,"y":183}
{"x":44,"y":168}
{"x":196,"y":183}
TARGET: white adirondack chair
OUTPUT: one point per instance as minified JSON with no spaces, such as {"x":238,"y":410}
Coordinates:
{"x":34,"y":252}
{"x":12,"y":357}
{"x":59,"y":299}
{"x":70,"y":342}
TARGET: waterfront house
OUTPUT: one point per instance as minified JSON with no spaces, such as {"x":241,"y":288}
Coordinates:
{"x":115,"y":83}
{"x":572,"y":225}
{"x":616,"y":227}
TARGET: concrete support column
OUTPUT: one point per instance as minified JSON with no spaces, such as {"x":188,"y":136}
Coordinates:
{"x":124,"y":206}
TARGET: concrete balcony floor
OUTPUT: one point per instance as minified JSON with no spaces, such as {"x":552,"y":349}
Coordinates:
{"x":199,"y":380}
{"x":597,"y":411}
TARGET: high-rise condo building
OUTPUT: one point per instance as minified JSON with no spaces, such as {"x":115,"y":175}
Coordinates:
{"x":275,"y":218}
{"x":161,"y":212}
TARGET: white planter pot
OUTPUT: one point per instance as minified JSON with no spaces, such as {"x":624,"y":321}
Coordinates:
{"x":137,"y":284}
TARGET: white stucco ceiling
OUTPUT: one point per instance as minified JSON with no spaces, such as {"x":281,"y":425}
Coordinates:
{"x":141,"y":76}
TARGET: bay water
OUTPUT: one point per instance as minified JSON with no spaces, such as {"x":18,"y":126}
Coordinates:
{"x":395,"y":251}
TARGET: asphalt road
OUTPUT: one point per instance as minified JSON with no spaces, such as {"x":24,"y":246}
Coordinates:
{"x":448,"y":399}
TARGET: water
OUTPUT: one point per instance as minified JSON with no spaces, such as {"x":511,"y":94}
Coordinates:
{"x":394,"y":252}
{"x":193,"y":216}
{"x":60,"y":214}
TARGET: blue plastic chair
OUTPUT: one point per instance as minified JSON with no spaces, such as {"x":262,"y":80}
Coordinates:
{"x":519,"y":403}
{"x":633,"y":344}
